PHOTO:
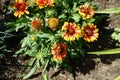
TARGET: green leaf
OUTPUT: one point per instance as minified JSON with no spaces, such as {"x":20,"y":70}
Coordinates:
{"x":26,"y":41}
{"x":18,"y":26}
{"x":74,"y":7}
{"x":45,"y":77}
{"x":117,"y":37}
{"x":76,"y":17}
{"x":62,"y":16}
{"x":117,"y":30}
{"x":45,"y":35}
{"x":30,"y":73}
{"x":18,"y":52}
{"x":38,"y":63}
{"x":108,"y":11}
{"x":117,"y":78}
{"x":31,"y":62}
{"x":103,"y":52}
{"x":30,"y":53}
{"x":84,"y":23}
{"x":116,"y":34}
{"x":45,"y":66}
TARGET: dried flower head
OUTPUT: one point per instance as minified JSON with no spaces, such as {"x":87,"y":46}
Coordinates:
{"x":37,"y":24}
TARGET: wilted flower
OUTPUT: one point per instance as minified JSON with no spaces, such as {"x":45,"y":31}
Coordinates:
{"x":72,"y":31}
{"x":53,"y":23}
{"x":44,"y":3}
{"x":59,"y":51}
{"x":86,"y":11}
{"x":90,"y":32}
{"x":37,"y":24}
{"x":21,"y":8}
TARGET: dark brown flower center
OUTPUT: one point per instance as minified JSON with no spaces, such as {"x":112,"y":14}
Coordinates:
{"x":85,"y":10}
{"x":20,"y":6}
{"x":70,"y":31}
{"x":88,"y":31}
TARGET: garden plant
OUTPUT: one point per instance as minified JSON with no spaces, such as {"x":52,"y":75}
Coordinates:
{"x":55,"y":31}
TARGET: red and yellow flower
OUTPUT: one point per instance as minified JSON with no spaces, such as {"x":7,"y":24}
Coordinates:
{"x":59,"y":51}
{"x":90,"y":32}
{"x":86,"y":11}
{"x":44,"y":3}
{"x":72,"y":31}
{"x":21,"y":8}
{"x":37,"y":24}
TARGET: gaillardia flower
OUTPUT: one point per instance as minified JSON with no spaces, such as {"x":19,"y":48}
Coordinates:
{"x":86,"y":11}
{"x":72,"y":31}
{"x":44,"y":3}
{"x":59,"y":51}
{"x":90,"y":32}
{"x":37,"y":24}
{"x":53,"y":23}
{"x":21,"y":8}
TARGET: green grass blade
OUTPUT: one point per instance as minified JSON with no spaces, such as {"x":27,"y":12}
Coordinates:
{"x":117,"y":78}
{"x":108,"y":11}
{"x":109,"y":51}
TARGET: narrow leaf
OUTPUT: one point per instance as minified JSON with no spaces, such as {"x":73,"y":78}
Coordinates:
{"x":109,"y":51}
{"x":38,"y":63}
{"x":45,"y":77}
{"x":117,"y":78}
{"x":108,"y":11}
{"x":45,"y":66}
{"x":30,"y":73}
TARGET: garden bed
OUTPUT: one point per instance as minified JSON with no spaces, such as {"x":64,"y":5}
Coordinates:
{"x":91,"y":67}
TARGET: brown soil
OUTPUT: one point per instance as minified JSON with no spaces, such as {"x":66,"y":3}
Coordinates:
{"x":91,"y":67}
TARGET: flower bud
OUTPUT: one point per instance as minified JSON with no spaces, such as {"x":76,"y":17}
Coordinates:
{"x":37,"y":24}
{"x":53,"y":23}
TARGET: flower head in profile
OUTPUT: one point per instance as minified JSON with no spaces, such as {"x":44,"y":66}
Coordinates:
{"x":44,"y":3}
{"x":86,"y":11}
{"x":37,"y":24}
{"x":59,"y":51}
{"x":90,"y":32}
{"x":53,"y":23}
{"x":72,"y":31}
{"x":21,"y":8}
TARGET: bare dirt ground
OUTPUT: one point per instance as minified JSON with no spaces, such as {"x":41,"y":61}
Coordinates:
{"x":91,"y":67}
